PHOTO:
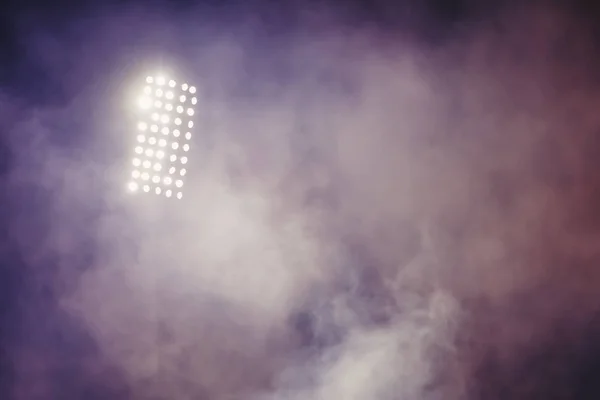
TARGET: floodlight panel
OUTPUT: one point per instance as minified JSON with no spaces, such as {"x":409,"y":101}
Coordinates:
{"x":162,"y":137}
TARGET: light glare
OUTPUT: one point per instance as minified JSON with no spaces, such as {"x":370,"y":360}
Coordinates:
{"x":144,"y":102}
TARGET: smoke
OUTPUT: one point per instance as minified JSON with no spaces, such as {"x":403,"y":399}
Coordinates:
{"x":369,"y":216}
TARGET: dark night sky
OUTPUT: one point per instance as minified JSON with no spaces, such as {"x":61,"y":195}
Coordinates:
{"x":522,"y":335}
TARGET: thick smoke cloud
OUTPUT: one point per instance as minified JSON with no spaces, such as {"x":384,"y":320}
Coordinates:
{"x":368,"y":218}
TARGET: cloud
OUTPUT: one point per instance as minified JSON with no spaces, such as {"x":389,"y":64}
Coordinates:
{"x":366,"y":219}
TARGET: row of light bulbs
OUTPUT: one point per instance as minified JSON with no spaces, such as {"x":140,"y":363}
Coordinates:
{"x":161,"y":143}
{"x":161,"y":81}
{"x":157,"y":167}
{"x":134,"y":186}
{"x":169,"y":95}
{"x":145,"y":176}
{"x":160,"y":155}
{"x":142,"y":126}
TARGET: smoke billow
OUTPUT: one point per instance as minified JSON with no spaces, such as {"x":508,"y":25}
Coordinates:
{"x":367,"y":218}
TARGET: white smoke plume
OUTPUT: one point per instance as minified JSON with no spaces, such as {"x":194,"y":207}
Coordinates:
{"x":369,"y":217}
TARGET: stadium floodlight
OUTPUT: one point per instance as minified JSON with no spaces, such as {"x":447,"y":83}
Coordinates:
{"x":162,"y":137}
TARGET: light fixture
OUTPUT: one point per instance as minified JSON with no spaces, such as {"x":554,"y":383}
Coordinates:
{"x":158,"y":157}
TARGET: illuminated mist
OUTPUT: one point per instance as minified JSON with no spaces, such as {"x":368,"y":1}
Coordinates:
{"x":368,"y":217}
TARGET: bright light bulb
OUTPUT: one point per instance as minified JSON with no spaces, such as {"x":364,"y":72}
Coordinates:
{"x":162,"y":142}
{"x":152,"y":140}
{"x":182,"y":98}
{"x":184,"y":160}
{"x":176,"y":132}
{"x":179,"y":195}
{"x":146,"y":188}
{"x":147,"y":90}
{"x":173,"y":158}
{"x":156,"y":179}
{"x":137,"y":162}
{"x":165,"y":130}
{"x":146,"y":164}
{"x":190,"y":124}
{"x":184,"y":87}
{"x":154,"y":128}
{"x":168,"y":180}
{"x":174,"y":145}
{"x":190,"y":112}
{"x":160,"y":154}
{"x":159,"y":92}
{"x":141,"y":138}
{"x":192,"y":90}
{"x":135,"y":174}
{"x":157,"y":167}
{"x":142,"y":126}
{"x":168,"y":193}
{"x":164,"y":119}
{"x":186,"y":147}
{"x":158,"y":104}
{"x":160,"y":80}
{"x":154,"y":116}
{"x":145,"y":176}
{"x":149,"y":152}
{"x":157,"y":190}
{"x":149,"y":79}
{"x":169,"y":107}
{"x":172,"y":170}
{"x":139,"y":150}
{"x":179,"y":183}
{"x":179,"y":109}
{"x":172,"y":83}
{"x":132,"y":186}
{"x":177,"y":121}
{"x":194,"y":101}
{"x":188,"y":135}
{"x":169,"y":95}
{"x":182,"y":172}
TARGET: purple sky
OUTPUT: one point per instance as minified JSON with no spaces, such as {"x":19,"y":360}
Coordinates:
{"x":384,"y":202}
